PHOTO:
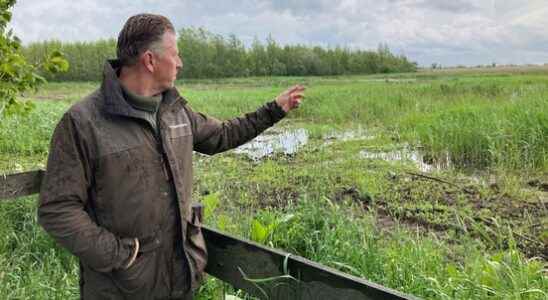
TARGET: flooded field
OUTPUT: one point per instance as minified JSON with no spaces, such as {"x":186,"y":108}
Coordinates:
{"x":272,"y":142}
{"x":289,"y":141}
{"x":423,"y":162}
{"x":433,"y":184}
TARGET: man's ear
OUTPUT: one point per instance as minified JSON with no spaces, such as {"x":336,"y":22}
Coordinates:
{"x":148,"y":61}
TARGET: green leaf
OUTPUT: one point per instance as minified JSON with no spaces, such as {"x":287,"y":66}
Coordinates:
{"x":16,"y":74}
{"x":259,"y":232}
{"x":210,"y":202}
{"x":56,"y":63}
{"x":5,"y":17}
{"x":56,"y":53}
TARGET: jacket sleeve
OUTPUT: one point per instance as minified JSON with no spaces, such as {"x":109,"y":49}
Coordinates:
{"x":213,"y":136}
{"x":63,"y":200}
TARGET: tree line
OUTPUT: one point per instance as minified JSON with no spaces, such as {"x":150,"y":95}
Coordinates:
{"x":209,"y":55}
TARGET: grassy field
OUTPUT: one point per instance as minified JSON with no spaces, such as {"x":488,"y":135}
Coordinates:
{"x":435,"y":184}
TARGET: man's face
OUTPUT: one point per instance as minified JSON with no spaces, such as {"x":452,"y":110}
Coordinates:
{"x":167,"y":62}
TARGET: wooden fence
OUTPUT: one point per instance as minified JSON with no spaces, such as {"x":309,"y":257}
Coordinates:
{"x":260,"y":271}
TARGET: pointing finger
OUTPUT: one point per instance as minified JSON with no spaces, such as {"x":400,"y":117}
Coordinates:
{"x":296,"y":88}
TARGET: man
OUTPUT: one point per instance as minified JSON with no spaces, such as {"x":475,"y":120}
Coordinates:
{"x":117,"y":191}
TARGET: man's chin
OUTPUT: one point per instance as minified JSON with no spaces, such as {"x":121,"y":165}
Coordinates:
{"x":168,"y":86}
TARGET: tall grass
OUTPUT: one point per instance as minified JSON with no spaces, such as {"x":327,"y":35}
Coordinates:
{"x":406,"y":260}
{"x":30,"y":133}
{"x":512,"y":134}
{"x":32,"y":266}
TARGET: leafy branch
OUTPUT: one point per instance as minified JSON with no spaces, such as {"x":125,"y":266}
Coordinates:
{"x":16,"y":74}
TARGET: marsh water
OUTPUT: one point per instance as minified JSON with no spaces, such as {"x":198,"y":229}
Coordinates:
{"x":422,"y":161}
{"x":286,"y":142}
{"x":291,"y":141}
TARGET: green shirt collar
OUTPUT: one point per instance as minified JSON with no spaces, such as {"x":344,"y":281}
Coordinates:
{"x":149,"y":104}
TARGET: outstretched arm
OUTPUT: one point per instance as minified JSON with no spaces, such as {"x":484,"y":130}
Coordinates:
{"x":213,"y":136}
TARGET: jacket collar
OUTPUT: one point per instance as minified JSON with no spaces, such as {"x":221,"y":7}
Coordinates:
{"x":114,"y":101}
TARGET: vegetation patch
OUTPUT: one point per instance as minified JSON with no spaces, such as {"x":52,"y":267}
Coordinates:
{"x":473,"y":229}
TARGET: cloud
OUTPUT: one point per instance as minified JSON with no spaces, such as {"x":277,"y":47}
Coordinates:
{"x":304,"y":7}
{"x":451,"y":6}
{"x":450,"y":32}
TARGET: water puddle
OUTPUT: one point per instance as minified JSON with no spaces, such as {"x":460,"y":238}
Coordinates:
{"x":424,"y":162}
{"x":272,"y":142}
{"x":348,"y":135}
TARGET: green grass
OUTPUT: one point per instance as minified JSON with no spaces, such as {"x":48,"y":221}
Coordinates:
{"x":510,"y":132}
{"x":479,"y":120}
{"x":475,"y":231}
{"x":405,"y":260}
{"x":31,"y":265}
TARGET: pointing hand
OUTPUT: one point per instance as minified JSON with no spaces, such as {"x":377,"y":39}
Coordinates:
{"x":291,"y":98}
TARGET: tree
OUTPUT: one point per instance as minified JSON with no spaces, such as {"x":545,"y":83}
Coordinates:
{"x":16,"y":74}
{"x":258,"y":58}
{"x":209,"y":55}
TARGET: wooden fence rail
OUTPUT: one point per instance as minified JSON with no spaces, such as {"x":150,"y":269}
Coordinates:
{"x":260,"y":271}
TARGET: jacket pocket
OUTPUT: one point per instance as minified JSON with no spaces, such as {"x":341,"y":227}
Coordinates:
{"x":196,"y":250}
{"x":140,"y":277}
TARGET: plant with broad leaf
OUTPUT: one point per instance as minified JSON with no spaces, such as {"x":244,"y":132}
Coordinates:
{"x":16,"y":74}
{"x":261,"y":232}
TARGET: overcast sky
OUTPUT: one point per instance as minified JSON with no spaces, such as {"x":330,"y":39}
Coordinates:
{"x":450,"y":32}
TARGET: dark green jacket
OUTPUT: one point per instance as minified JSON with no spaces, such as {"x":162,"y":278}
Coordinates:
{"x":110,"y":179}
